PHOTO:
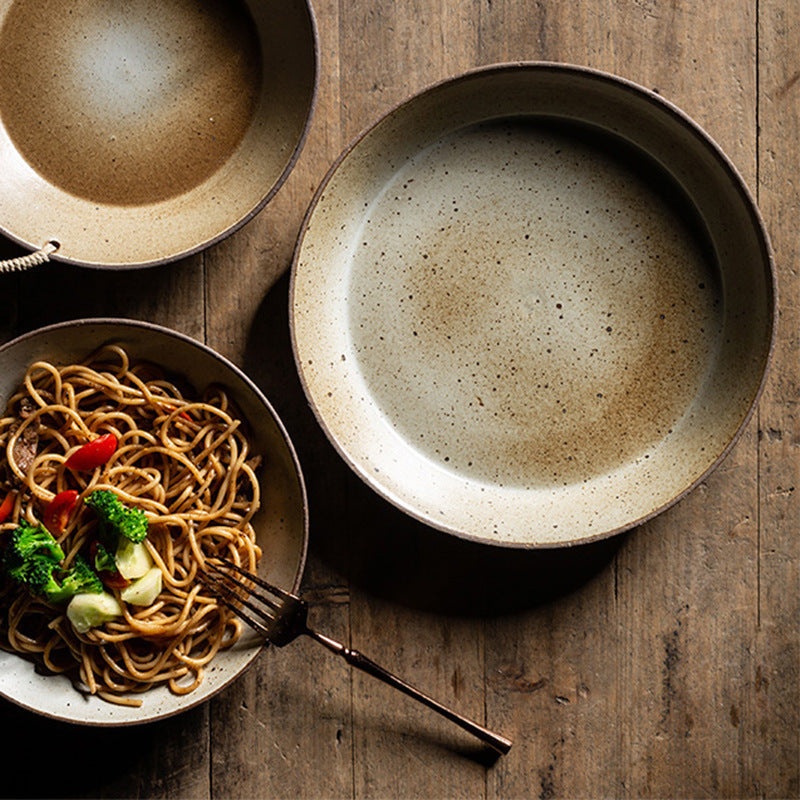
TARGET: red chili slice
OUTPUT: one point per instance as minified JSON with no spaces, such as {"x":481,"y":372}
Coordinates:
{"x":7,"y":506}
{"x":94,"y":453}
{"x":184,"y":414}
{"x":59,"y":509}
{"x":113,"y":580}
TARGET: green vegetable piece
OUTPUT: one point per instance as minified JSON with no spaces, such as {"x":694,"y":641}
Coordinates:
{"x":143,"y":592}
{"x":81,"y":579}
{"x":87,"y":611}
{"x":29,"y":542}
{"x":103,"y":560}
{"x":37,"y":575}
{"x":116,"y":519}
{"x":133,"y":559}
{"x":47,"y":580}
{"x":33,"y":558}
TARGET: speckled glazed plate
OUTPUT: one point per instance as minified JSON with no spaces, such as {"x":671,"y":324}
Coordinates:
{"x":533,"y":305}
{"x":281,"y":524}
{"x":136,"y":133}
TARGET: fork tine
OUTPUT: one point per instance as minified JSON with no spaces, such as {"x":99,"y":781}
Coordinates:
{"x":229,"y":598}
{"x":244,"y":599}
{"x":276,"y":590}
{"x":269,"y":601}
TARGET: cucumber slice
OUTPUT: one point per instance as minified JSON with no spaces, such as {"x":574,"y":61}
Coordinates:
{"x":133,"y":559}
{"x":143,"y":592}
{"x":87,"y":611}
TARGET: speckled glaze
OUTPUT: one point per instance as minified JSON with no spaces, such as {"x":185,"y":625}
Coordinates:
{"x":533,"y":305}
{"x":281,"y":525}
{"x":135,"y":133}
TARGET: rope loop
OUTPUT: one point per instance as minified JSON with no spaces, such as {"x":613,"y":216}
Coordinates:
{"x":31,"y":260}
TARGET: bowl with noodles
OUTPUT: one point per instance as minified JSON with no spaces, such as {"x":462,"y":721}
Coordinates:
{"x":179,"y":436}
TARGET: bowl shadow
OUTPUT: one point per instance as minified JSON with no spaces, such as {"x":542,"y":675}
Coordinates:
{"x":56,"y":759}
{"x":373,"y":545}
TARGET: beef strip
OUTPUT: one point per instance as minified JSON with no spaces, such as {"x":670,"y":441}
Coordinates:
{"x":27,"y":443}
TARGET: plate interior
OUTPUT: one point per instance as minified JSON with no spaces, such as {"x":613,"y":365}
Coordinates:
{"x":141,"y":102}
{"x":531,"y":305}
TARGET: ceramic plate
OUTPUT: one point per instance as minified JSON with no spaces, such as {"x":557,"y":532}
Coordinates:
{"x":281,"y":524}
{"x":144,"y":130}
{"x":532,"y":305}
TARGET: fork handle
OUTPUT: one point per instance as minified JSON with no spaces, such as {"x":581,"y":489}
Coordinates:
{"x":356,"y":659}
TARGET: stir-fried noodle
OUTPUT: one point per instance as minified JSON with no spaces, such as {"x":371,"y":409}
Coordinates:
{"x":185,"y":462}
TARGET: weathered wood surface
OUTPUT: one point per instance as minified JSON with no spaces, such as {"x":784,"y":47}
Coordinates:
{"x":663,"y":663}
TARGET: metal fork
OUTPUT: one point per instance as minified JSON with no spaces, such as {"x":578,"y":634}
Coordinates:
{"x":281,"y":617}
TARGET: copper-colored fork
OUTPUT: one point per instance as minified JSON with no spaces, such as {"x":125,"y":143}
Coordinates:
{"x":280,"y":617}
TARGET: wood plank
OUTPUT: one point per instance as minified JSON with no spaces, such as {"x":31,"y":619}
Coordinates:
{"x":624,"y":661}
{"x":169,"y":295}
{"x":401,"y":749}
{"x":773,"y":679}
{"x":285,"y":730}
{"x":170,"y":762}
{"x":552,"y":667}
{"x":686,"y":585}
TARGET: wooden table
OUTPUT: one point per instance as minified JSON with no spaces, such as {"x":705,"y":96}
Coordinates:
{"x":661,"y":663}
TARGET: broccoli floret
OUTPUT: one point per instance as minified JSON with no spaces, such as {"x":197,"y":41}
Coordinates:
{"x":103,"y":560}
{"x":81,"y":579}
{"x":37,"y":575}
{"x":33,"y":558}
{"x":47,"y":580}
{"x":117,"y":519}
{"x":19,"y":570}
{"x":26,"y":543}
{"x":43,"y":578}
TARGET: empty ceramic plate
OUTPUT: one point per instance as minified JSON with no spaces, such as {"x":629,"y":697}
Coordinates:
{"x":532,"y":305}
{"x":136,"y":133}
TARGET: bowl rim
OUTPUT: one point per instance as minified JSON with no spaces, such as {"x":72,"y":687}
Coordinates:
{"x":665,"y":106}
{"x":123,"y":323}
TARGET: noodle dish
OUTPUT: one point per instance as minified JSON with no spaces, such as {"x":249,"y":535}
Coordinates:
{"x":117,"y":484}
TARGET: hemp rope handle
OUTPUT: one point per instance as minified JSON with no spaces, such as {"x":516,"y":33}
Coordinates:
{"x":31,"y":260}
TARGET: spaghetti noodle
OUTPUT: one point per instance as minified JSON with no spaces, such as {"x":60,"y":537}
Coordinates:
{"x":186,"y":463}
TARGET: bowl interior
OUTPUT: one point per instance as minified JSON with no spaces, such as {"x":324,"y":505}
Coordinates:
{"x":532,"y":305}
{"x":147,"y":130}
{"x":281,"y":523}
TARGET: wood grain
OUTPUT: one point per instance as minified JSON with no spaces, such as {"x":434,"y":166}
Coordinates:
{"x":772,"y":683}
{"x":664,"y":663}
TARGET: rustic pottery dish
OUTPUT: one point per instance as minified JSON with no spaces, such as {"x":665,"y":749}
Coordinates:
{"x":533,"y":305}
{"x":136,"y":133}
{"x":281,"y":524}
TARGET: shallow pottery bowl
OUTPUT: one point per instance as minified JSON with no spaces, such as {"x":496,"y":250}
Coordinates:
{"x":533,"y":305}
{"x":281,"y":524}
{"x":136,"y":133}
